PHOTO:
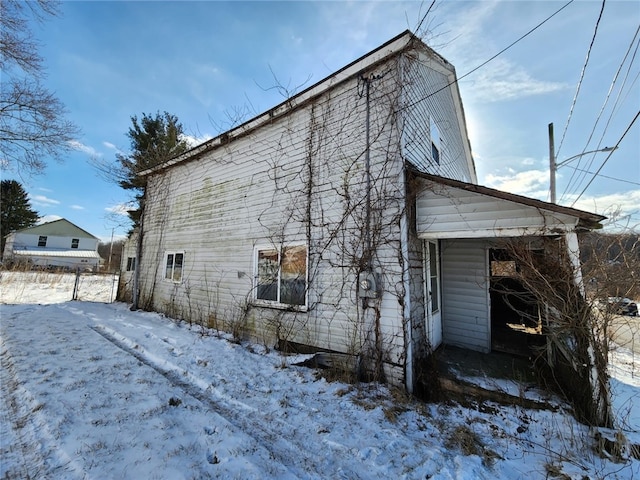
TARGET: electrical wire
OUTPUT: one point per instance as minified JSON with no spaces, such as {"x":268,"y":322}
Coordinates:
{"x":584,"y":170}
{"x":604,"y":176}
{"x":595,"y":175}
{"x":584,"y":68}
{"x":457,"y":80}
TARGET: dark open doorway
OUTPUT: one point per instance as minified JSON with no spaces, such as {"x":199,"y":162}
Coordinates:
{"x":516,"y":324}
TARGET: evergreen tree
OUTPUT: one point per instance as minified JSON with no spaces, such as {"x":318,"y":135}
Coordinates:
{"x":15,"y":209}
{"x":155,"y":139}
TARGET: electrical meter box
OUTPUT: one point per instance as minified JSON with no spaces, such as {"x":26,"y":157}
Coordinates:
{"x":368,"y":285}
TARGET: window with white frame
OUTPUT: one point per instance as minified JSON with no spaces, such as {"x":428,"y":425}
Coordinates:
{"x":173,"y":266}
{"x":75,"y":242}
{"x":281,"y":275}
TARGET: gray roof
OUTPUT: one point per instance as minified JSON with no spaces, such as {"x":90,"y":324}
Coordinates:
{"x":58,"y":228}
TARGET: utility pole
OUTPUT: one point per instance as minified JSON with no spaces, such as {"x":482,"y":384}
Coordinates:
{"x":552,"y":165}
{"x":110,"y":252}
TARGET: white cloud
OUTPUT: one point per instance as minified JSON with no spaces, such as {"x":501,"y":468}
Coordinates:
{"x":193,"y":141}
{"x":120,"y":209}
{"x":111,"y":146}
{"x":43,"y":201}
{"x":501,"y":79}
{"x":531,"y":183}
{"x":77,"y":207}
{"x":48,"y":218}
{"x":507,"y":81}
{"x":622,"y":209}
{"x":76,"y":145}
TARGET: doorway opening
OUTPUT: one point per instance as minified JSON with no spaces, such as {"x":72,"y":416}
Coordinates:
{"x":516,"y":321}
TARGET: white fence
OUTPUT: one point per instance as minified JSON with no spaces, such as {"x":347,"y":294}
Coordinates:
{"x":52,"y":287}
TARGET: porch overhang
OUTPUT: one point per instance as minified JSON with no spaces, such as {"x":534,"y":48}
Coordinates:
{"x":447,"y":209}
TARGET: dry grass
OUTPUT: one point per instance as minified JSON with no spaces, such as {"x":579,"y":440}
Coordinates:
{"x":468,"y":442}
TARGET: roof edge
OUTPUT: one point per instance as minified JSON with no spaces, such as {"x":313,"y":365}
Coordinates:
{"x":394,"y":46}
{"x":589,"y":220}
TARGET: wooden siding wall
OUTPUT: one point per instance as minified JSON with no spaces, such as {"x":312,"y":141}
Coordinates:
{"x":421,"y":104}
{"x":298,"y":179}
{"x":465,"y":301}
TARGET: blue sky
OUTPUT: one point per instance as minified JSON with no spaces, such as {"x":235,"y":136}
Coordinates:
{"x":209,"y":62}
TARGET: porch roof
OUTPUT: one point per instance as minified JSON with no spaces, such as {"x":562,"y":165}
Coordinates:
{"x":447,"y":208}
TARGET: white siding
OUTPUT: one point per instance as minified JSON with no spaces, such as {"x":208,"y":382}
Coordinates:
{"x":430,"y":96}
{"x":465,"y":297}
{"x":23,"y":240}
{"x":448,"y":212}
{"x":300,"y":178}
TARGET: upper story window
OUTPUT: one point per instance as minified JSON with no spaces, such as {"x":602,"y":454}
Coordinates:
{"x":42,"y":241}
{"x":435,"y":154}
{"x":281,"y":275}
{"x":75,"y":242}
{"x":436,"y":143}
{"x":131,"y":264}
{"x":173,"y":270}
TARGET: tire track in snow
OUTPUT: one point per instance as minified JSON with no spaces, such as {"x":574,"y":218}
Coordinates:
{"x":29,"y":427}
{"x":293,"y":457}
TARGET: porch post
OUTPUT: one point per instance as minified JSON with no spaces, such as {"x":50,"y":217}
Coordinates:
{"x":573,"y":248}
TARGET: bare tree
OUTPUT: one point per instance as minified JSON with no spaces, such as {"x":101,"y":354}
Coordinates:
{"x":32,"y":120}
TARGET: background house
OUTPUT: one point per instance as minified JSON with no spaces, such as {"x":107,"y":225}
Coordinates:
{"x":345,"y":219}
{"x":59,"y":244}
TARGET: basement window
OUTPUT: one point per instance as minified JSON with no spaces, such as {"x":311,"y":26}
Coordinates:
{"x":75,"y":242}
{"x":281,"y":275}
{"x":173,"y":270}
{"x":42,"y":241}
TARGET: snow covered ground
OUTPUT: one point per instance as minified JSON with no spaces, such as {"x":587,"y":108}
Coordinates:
{"x":93,"y":390}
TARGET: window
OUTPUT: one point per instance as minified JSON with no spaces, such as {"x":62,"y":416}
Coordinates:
{"x":502,"y":263}
{"x":436,"y":144}
{"x":434,"y":281}
{"x":75,"y":242}
{"x":131,"y":264}
{"x":281,"y":276}
{"x":173,"y":269}
{"x":42,"y":241}
{"x":435,"y":154}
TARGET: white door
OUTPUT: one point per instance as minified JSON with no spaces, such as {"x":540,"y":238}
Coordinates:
{"x":432,"y":293}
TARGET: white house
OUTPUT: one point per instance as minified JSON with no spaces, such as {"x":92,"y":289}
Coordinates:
{"x":346,"y":219}
{"x":59,"y":244}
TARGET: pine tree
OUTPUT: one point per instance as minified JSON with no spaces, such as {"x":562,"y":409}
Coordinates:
{"x":154,"y":141}
{"x":15,"y":209}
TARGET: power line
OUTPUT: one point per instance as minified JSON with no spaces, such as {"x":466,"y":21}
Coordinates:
{"x":457,"y":80}
{"x":584,"y":68}
{"x":606,"y":159}
{"x":581,"y":178}
{"x":604,"y":176}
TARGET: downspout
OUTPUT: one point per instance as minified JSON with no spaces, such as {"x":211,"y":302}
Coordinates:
{"x":367,"y":169}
